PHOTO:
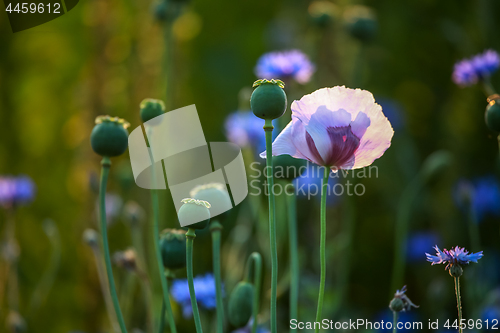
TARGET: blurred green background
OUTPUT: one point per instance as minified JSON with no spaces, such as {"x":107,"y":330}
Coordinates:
{"x":104,"y":57}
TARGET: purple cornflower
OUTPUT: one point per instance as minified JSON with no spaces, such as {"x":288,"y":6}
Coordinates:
{"x":455,"y":256}
{"x":339,"y":128}
{"x":245,"y":130}
{"x":469,"y":71}
{"x":204,"y":287}
{"x":285,"y":64}
{"x":483,"y":194}
{"x":15,"y":191}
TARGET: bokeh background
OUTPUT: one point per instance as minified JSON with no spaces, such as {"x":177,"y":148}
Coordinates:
{"x":104,"y":57}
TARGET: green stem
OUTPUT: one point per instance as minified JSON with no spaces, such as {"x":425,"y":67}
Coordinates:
{"x":268,"y":128}
{"x":401,"y":232}
{"x":294,"y":252}
{"x":162,"y":317}
{"x":156,"y":244}
{"x":106,"y":164}
{"x":322,"y":246}
{"x":190,"y":236}
{"x":256,"y":259}
{"x":459,"y":303}
{"x":215,"y":229}
{"x":394,"y":321}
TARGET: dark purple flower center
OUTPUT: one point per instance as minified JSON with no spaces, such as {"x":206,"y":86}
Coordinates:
{"x":343,"y":145}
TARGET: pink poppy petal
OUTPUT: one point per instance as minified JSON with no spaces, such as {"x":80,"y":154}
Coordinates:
{"x":283,"y":144}
{"x":360,"y":124}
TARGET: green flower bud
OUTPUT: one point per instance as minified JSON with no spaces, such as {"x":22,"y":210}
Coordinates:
{"x":216,"y":194}
{"x":240,"y":304}
{"x":361,"y":23}
{"x":287,"y":167}
{"x":456,"y":270}
{"x":322,"y":13}
{"x":194,"y":210}
{"x":151,"y":108}
{"x":173,"y":248}
{"x":109,"y":137}
{"x":492,"y":114}
{"x":396,"y":304}
{"x":268,"y":100}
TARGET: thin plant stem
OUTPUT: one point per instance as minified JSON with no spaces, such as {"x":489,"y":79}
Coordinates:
{"x":215,"y":229}
{"x":394,"y":321}
{"x":294,"y":253}
{"x":156,"y":244}
{"x":190,"y":236}
{"x":401,"y":233}
{"x":256,"y":259}
{"x":47,"y":280}
{"x":268,"y":128}
{"x":106,"y":164}
{"x":161,"y":327}
{"x":322,"y":247}
{"x":459,"y":303}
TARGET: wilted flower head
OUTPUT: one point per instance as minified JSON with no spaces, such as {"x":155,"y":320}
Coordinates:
{"x":455,"y":256}
{"x":15,"y":191}
{"x":126,"y":259}
{"x":401,"y":302}
{"x":204,"y":287}
{"x":337,"y":127}
{"x":483,"y":194}
{"x":469,"y":71}
{"x":285,"y":64}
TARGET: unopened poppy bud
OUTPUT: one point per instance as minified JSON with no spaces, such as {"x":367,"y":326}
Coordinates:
{"x":492,"y":114}
{"x":268,"y":100}
{"x":240,"y":304}
{"x":109,"y":137}
{"x":456,"y":270}
{"x":194,"y":214}
{"x":173,"y":248}
{"x":151,"y":108}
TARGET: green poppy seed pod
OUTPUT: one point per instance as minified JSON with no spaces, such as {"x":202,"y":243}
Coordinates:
{"x":109,"y":137}
{"x":287,"y":167}
{"x":396,"y":304}
{"x":268,"y":100}
{"x":151,"y":108}
{"x":240,"y":304}
{"x":361,"y":23}
{"x":492,"y":114}
{"x":456,"y":270}
{"x":173,"y":248}
{"x":216,"y":194}
{"x":194,"y":214}
{"x":322,"y":13}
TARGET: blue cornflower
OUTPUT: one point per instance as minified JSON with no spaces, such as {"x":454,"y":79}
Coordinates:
{"x":418,"y":242}
{"x":469,"y":71}
{"x":16,"y":191}
{"x":204,"y":287}
{"x":285,"y":64}
{"x":483,"y":194}
{"x":455,"y":256}
{"x":246,"y":130}
{"x":308,"y":184}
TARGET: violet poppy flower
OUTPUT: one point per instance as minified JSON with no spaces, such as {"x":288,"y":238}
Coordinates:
{"x":339,"y":128}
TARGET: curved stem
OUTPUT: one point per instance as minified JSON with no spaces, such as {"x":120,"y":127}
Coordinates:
{"x":256,"y":259}
{"x":106,"y":164}
{"x":268,"y":128}
{"x":394,"y":321}
{"x":215,"y":229}
{"x":294,"y":253}
{"x":459,"y":303}
{"x":190,"y":236}
{"x":322,"y":247}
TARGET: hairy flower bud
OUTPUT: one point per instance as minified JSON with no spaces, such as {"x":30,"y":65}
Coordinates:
{"x":240,"y":304}
{"x":456,"y":270}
